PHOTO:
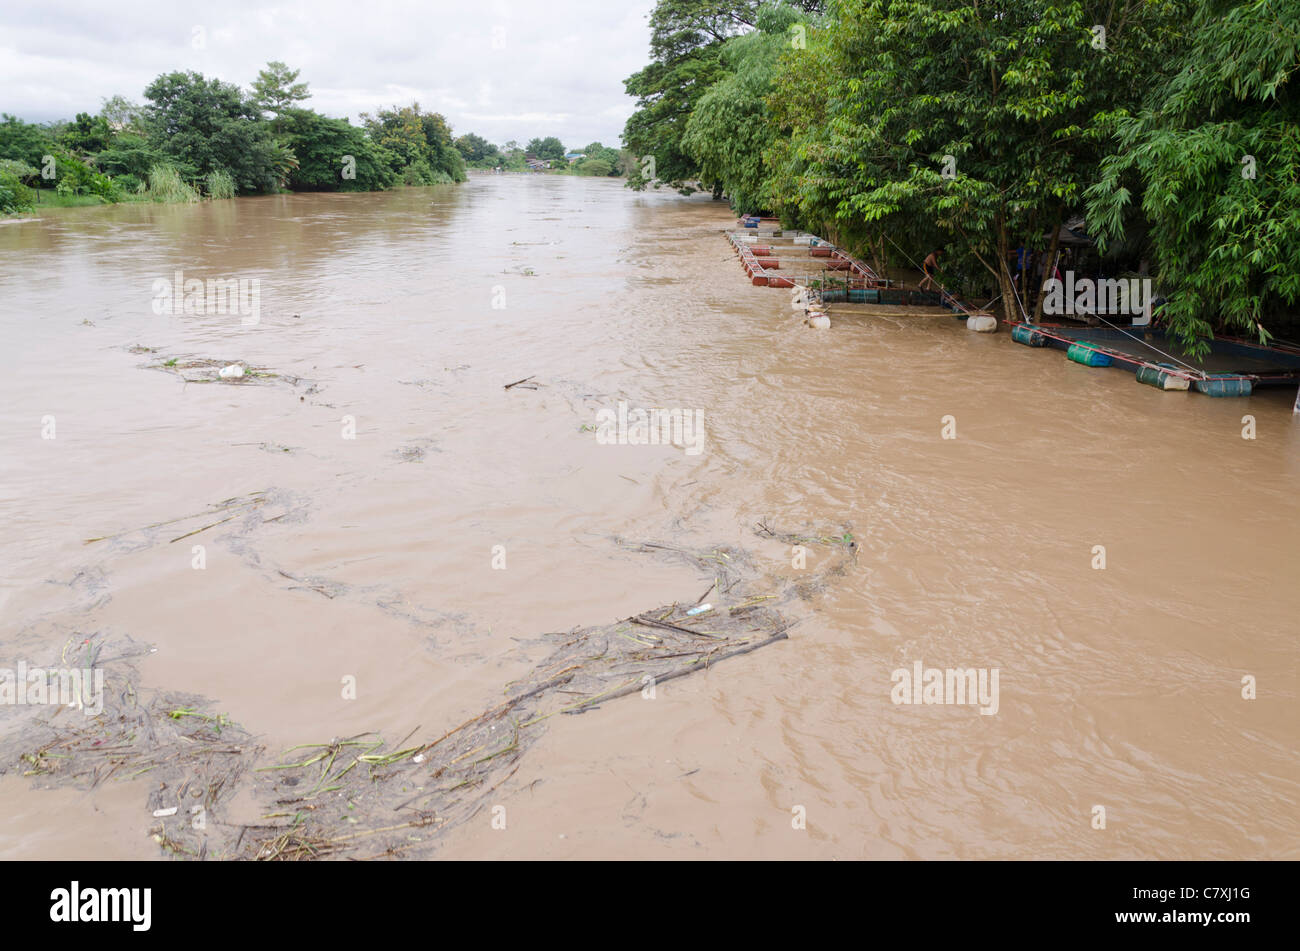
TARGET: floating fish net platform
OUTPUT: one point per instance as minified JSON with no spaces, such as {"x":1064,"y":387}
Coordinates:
{"x":776,"y":257}
{"x":1232,"y":368}
{"x":788,"y":258}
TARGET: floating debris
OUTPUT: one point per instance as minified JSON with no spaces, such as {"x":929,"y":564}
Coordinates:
{"x":417,"y":451}
{"x":229,"y":372}
{"x":237,"y":505}
{"x":330,"y":589}
{"x":272,"y":447}
{"x":362,"y":783}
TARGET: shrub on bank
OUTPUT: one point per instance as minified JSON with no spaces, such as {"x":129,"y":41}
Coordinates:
{"x":74,"y":177}
{"x":15,"y":197}
{"x":166,"y":185}
{"x":219,"y":184}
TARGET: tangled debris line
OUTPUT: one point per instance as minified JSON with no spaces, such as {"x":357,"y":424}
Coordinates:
{"x":450,"y":779}
{"x":815,"y":582}
{"x":250,"y":507}
{"x":190,"y":758}
{"x":360,"y":797}
{"x":244,"y":516}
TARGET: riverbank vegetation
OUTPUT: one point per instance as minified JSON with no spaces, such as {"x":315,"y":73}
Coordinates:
{"x":593,"y":160}
{"x":196,"y":138}
{"x":1167,"y":130}
{"x":199,"y":137}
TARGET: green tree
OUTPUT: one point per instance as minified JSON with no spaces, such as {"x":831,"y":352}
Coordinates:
{"x":686,"y":39}
{"x":87,"y":134}
{"x":418,"y":143}
{"x":976,"y":125}
{"x":75,"y":177}
{"x":24,"y":141}
{"x":205,"y":125}
{"x":122,"y":114}
{"x":477,"y":150}
{"x":731,"y":126}
{"x":597,"y":151}
{"x":513,"y":155}
{"x":15,"y":194}
{"x":1215,"y":160}
{"x":549,"y":148}
{"x":276,"y":89}
{"x":597,"y":161}
{"x":594,"y":167}
{"x":334,"y":155}
{"x":130,"y":156}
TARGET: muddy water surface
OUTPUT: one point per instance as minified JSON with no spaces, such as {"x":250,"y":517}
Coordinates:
{"x":400,"y":317}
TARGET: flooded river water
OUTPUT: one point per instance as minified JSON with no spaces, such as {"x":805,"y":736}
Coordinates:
{"x":393,"y":322}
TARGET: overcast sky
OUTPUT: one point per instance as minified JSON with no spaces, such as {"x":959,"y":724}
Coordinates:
{"x":505,"y":69}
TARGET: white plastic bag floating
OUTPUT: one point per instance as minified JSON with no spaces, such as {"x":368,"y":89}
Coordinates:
{"x":232,"y":372}
{"x":819,"y":322}
{"x":982,"y":324}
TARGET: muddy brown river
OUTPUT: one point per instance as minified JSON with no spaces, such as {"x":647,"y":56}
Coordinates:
{"x":437,"y":520}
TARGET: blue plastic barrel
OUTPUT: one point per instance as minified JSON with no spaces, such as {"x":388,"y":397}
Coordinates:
{"x":1080,"y":353}
{"x":1023,"y":333}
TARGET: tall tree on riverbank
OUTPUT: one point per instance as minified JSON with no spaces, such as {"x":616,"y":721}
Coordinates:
{"x":122,"y":114}
{"x":1215,"y":160}
{"x":686,"y":40}
{"x":731,"y":126}
{"x":206,"y":125}
{"x":419,"y":143}
{"x":550,"y":148}
{"x":334,"y":155}
{"x":24,"y":142}
{"x":276,"y":89}
{"x":196,"y":131}
{"x":972,"y":124}
{"x":478,"y":151}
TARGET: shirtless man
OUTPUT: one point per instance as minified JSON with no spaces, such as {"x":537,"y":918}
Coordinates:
{"x":929,"y":265}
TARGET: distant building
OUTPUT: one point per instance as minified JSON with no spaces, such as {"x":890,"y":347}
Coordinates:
{"x":574,"y":156}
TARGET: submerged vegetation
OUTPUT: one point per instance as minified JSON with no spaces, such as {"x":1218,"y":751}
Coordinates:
{"x":1167,"y":128}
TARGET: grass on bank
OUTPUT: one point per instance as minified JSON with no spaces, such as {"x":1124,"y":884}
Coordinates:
{"x":163,"y":184}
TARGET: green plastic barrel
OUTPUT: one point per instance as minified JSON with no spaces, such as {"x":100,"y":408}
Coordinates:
{"x":1159,"y":377}
{"x":1081,"y":353}
{"x":1224,"y":384}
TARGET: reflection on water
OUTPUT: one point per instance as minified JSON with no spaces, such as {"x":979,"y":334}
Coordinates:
{"x":408,"y":312}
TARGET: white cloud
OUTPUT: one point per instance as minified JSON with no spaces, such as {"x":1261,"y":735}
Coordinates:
{"x":506,"y":69}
